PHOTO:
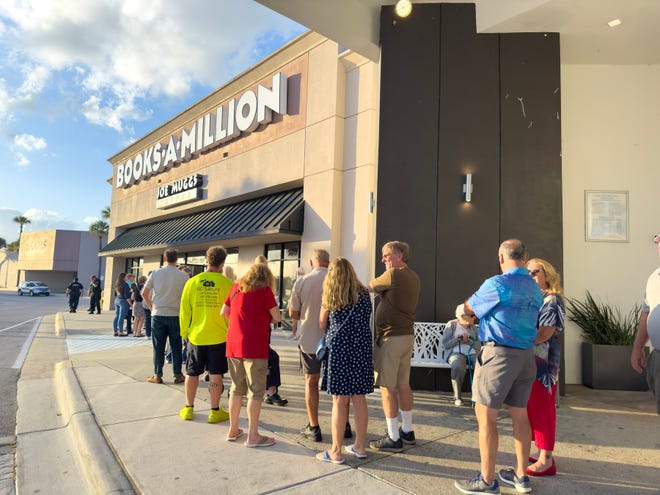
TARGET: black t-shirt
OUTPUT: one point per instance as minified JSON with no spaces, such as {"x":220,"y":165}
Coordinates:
{"x":96,"y":287}
{"x":75,"y":288}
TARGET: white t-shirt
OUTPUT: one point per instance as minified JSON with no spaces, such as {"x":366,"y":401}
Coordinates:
{"x":166,"y":285}
{"x":652,"y":306}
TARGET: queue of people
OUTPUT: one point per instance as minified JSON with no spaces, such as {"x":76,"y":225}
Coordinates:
{"x":225,"y":326}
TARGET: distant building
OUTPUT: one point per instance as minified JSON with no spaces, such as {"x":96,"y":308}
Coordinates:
{"x":56,"y":256}
{"x":8,"y":268}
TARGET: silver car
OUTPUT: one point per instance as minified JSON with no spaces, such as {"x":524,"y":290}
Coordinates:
{"x":33,"y":288}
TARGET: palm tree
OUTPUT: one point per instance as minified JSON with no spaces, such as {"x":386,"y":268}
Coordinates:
{"x":105,"y":213}
{"x":21,"y":220}
{"x":99,"y":229}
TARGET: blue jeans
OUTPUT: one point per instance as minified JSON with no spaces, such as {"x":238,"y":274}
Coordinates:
{"x":162,"y":328}
{"x":168,"y":353}
{"x":147,"y":322}
{"x":121,"y":310}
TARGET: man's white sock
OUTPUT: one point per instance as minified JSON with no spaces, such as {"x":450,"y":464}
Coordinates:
{"x":406,"y":421}
{"x":393,"y":428}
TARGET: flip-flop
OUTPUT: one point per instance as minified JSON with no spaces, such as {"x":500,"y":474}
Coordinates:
{"x":351,"y":449}
{"x":235,"y":437}
{"x":263,"y":442}
{"x":325,"y":457}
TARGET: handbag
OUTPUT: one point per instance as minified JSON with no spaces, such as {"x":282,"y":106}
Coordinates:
{"x":322,"y":346}
{"x":321,"y":349}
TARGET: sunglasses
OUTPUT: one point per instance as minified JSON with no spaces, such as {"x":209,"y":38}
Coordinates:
{"x":534,"y":273}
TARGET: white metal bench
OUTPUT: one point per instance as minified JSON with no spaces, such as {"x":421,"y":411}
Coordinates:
{"x":427,"y":350}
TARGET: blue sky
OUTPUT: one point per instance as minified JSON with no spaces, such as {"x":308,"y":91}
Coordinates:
{"x":82,"y":79}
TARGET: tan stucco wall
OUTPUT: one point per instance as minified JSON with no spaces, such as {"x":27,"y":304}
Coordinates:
{"x":321,"y":147}
{"x":8,"y":269}
{"x":37,"y":250}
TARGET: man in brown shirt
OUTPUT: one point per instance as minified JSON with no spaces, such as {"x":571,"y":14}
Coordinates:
{"x":398,"y":289}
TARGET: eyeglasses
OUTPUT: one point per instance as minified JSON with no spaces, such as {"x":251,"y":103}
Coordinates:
{"x":534,"y":273}
{"x":469,"y":316}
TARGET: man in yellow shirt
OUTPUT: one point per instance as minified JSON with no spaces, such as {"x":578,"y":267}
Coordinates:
{"x":205,"y":332}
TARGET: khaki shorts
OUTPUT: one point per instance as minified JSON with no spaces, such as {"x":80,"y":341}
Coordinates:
{"x":503,"y":375}
{"x":392,"y":360}
{"x":248,"y":376}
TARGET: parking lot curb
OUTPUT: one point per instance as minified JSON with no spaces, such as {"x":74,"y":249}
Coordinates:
{"x":99,"y":462}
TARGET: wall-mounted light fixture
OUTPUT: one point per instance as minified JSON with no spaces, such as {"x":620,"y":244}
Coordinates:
{"x":467,"y":188}
{"x":403,"y":8}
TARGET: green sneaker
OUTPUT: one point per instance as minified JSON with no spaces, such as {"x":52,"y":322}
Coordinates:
{"x":218,"y":416}
{"x":187,"y":412}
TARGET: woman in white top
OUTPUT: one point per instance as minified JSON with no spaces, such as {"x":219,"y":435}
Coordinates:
{"x":457,"y":339}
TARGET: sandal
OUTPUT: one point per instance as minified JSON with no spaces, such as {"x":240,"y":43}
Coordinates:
{"x":235,"y":437}
{"x":325,"y":457}
{"x":263,"y":442}
{"x":351,"y":450}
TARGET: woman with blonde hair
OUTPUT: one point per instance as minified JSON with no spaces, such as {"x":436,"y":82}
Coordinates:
{"x":273,"y":379}
{"x":541,"y":407}
{"x":250,"y":307}
{"x":348,"y":373}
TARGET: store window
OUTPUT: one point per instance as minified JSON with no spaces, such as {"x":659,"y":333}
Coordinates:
{"x":196,"y":260}
{"x":283,"y":260}
{"x":231,"y":262}
{"x":135,"y":266}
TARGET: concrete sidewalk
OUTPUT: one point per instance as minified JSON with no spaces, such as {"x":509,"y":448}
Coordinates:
{"x":89,"y":423}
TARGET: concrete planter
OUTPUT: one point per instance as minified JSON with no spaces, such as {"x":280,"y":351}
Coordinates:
{"x":608,"y":367}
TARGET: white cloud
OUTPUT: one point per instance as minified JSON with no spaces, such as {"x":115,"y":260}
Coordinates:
{"x":35,"y":80}
{"x":28,"y":142}
{"x":90,"y":220}
{"x":122,"y":52}
{"x":49,"y":220}
{"x":21,"y":159}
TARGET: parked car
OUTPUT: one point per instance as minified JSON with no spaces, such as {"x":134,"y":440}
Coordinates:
{"x":33,"y":288}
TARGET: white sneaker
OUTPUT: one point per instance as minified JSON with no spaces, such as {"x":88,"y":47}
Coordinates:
{"x":458,"y":402}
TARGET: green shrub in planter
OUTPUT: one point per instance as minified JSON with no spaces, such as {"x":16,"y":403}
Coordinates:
{"x":608,"y":337}
{"x":602,"y":324}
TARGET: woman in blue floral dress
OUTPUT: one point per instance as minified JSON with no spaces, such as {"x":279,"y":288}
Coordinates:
{"x":348,"y":374}
{"x":541,"y":407}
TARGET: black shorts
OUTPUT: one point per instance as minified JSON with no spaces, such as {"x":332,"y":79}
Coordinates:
{"x":309,"y":363}
{"x":211,"y":358}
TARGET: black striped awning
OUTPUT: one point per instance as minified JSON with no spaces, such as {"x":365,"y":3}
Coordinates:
{"x":279,"y":213}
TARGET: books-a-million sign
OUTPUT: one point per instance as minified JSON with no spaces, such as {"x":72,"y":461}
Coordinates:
{"x":243,"y":114}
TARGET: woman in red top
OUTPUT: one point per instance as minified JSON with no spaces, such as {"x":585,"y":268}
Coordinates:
{"x":250,"y":307}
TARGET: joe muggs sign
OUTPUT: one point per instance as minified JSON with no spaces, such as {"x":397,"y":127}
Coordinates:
{"x":180,"y":191}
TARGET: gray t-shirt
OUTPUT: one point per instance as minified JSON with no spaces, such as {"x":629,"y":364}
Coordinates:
{"x":166,"y":285}
{"x":306,"y":298}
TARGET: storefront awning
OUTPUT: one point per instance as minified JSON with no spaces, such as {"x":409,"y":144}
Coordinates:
{"x":280,"y":213}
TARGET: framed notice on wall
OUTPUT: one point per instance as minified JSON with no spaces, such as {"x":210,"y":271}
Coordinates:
{"x":606,"y":216}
